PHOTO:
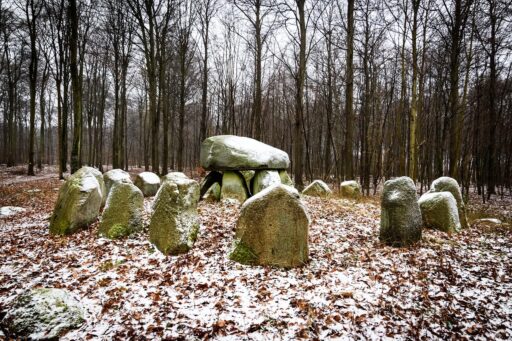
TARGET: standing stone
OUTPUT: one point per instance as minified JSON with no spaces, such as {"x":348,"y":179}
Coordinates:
{"x":439,"y":211}
{"x":317,"y":188}
{"x":114,"y":176}
{"x":148,"y":182}
{"x":175,"y":223}
{"x":447,"y":184}
{"x":233,"y":187}
{"x":213,"y":193}
{"x":285,"y":178}
{"x":122,"y":215}
{"x":99,"y":177}
{"x":248,"y":176}
{"x":264,"y":179}
{"x":78,"y":203}
{"x":272,"y":229}
{"x":400,"y":220}
{"x":229,"y":152}
{"x":43,"y":314}
{"x":350,"y":189}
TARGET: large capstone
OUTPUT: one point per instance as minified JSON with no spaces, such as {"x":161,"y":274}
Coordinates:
{"x":439,"y":211}
{"x":263,"y":179}
{"x":272,"y":229}
{"x":43,"y":314}
{"x":400,"y":220}
{"x":78,"y":203}
{"x":350,"y":189}
{"x":447,"y":184}
{"x":148,"y":182}
{"x":317,"y":188}
{"x":115,"y":176}
{"x":122,"y":215}
{"x":175,"y":222}
{"x":229,"y":152}
{"x":233,"y":187}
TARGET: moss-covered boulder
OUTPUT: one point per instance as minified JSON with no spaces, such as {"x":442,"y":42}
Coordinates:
{"x":263,"y":179}
{"x":248,"y":176}
{"x":272,"y":229}
{"x":229,"y":152}
{"x":285,"y":178}
{"x":317,"y":188}
{"x":115,"y":176}
{"x":78,"y":203}
{"x":439,"y":211}
{"x":42,"y":314}
{"x":447,"y":184}
{"x":148,"y":182}
{"x":99,"y":177}
{"x":233,"y":187}
{"x":351,"y":189}
{"x":400,"y":220}
{"x":122,"y":215}
{"x":213,"y":193}
{"x":175,"y":222}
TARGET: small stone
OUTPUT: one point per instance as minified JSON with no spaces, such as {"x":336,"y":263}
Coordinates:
{"x":114,"y":176}
{"x":175,"y":222}
{"x":317,"y":188}
{"x":488,"y":221}
{"x":272,"y":229}
{"x":263,"y":179}
{"x":148,"y":182}
{"x":233,"y":187}
{"x":350,"y":189}
{"x":7,"y":211}
{"x":43,"y":314}
{"x":439,"y":211}
{"x":400,"y":220}
{"x":122,"y":215}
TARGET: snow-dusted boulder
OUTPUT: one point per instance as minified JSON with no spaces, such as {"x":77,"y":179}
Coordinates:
{"x":122,"y":215}
{"x":233,"y":187}
{"x":43,"y":314}
{"x":285,"y":178}
{"x":264,"y":179}
{"x":78,"y":203}
{"x":439,"y":211}
{"x":229,"y":152}
{"x":7,"y":211}
{"x":148,"y":182}
{"x":114,"y":176}
{"x":99,"y":177}
{"x":317,"y":188}
{"x":400,"y":220}
{"x":175,"y":222}
{"x":447,"y":184}
{"x":350,"y":189}
{"x":272,"y":229}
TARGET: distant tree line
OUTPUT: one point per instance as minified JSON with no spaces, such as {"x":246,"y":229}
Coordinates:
{"x":365,"y":89}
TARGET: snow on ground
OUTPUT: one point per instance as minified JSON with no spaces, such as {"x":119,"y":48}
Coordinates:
{"x":455,"y":286}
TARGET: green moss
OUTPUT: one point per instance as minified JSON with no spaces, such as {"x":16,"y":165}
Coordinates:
{"x":117,"y":231}
{"x":194,"y":231}
{"x":242,"y":253}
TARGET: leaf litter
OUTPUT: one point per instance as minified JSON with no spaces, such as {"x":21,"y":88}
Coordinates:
{"x":447,"y":286}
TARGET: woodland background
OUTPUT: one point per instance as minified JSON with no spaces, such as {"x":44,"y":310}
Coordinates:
{"x":368,"y":88}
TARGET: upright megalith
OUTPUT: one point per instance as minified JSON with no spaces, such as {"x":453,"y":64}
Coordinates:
{"x":317,"y":188}
{"x":99,"y":177}
{"x":285,"y":178}
{"x":350,"y":189}
{"x":272,"y":229}
{"x":263,"y":179}
{"x":175,"y":222}
{"x":439,"y":211}
{"x":78,"y":203}
{"x":148,"y":182}
{"x":115,"y":176}
{"x":447,"y":184}
{"x":42,"y":314}
{"x":233,"y":187}
{"x":229,"y":152}
{"x":400,"y":220}
{"x":122,"y":215}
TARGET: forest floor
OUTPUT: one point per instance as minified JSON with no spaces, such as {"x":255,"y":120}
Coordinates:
{"x":447,"y":286}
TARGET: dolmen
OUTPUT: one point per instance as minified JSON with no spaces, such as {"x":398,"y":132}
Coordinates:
{"x":241,"y":167}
